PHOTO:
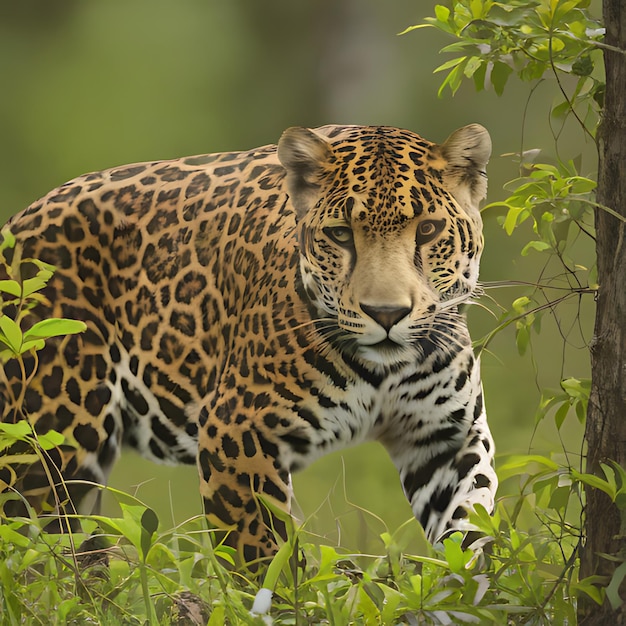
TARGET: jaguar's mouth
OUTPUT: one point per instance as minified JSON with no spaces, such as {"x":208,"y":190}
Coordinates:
{"x":386,"y":353}
{"x":386,"y":345}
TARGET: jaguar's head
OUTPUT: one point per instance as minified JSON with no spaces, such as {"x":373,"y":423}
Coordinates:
{"x":390,"y":232}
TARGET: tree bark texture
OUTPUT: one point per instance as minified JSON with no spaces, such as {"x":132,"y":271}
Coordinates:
{"x":605,"y":434}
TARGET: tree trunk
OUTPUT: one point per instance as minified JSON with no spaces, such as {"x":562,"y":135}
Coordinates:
{"x":605,"y":434}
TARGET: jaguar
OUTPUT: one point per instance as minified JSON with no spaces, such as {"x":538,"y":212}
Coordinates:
{"x":252,"y":311}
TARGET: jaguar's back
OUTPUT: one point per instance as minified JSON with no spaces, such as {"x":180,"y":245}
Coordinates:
{"x":270,"y":306}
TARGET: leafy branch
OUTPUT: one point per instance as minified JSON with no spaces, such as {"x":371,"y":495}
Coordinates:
{"x":529,"y":38}
{"x":22,"y":333}
{"x":558,"y":41}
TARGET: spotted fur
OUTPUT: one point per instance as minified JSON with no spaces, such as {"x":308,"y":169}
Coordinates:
{"x":254,"y":311}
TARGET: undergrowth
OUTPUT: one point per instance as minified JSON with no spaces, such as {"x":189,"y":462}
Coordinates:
{"x":129,"y":570}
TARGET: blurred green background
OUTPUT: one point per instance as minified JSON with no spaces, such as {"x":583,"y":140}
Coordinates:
{"x":88,"y":84}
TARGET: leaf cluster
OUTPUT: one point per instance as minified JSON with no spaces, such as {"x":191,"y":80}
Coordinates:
{"x":534,"y":40}
{"x":128,"y":570}
{"x":530,"y":39}
{"x":18,"y":335}
{"x":22,"y":334}
{"x":540,"y":40}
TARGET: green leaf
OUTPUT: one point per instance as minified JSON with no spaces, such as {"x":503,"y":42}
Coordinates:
{"x":521,"y":463}
{"x":479,"y":77}
{"x":583,"y":66}
{"x":547,"y":402}
{"x":11,"y":287}
{"x":54,"y":327}
{"x":218,"y":615}
{"x":589,"y":586}
{"x":149,"y":521}
{"x":51,"y":439}
{"x":111,"y":525}
{"x":32,"y":344}
{"x":20,"y":430}
{"x":456,"y":557}
{"x":448,"y":64}
{"x":279,"y":562}
{"x":64,"y":607}
{"x":472,"y":66}
{"x":149,"y":526}
{"x":13,"y":537}
{"x":581,"y":185}
{"x":619,"y":472}
{"x":8,"y":239}
{"x":577,"y":388}
{"x":561,"y":414}
{"x":594,"y":481}
{"x":442,"y":13}
{"x":42,"y":265}
{"x":454,"y":78}
{"x":561,"y":110}
{"x":476,"y":7}
{"x":392,"y":600}
{"x":11,"y":334}
{"x":519,"y":304}
{"x":515,"y":216}
{"x":416,"y":581}
{"x":21,"y":458}
{"x":38,"y":282}
{"x":499,"y":75}
{"x":540,"y":246}
{"x":522,"y":338}
{"x":559,"y":498}
{"x":612,"y":590}
{"x":375,"y":594}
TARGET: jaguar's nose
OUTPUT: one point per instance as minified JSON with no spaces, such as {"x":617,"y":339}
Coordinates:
{"x":386,"y":316}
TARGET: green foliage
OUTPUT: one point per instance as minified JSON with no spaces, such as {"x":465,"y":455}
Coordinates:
{"x":574,"y":394}
{"x":541,"y":40}
{"x":18,"y":335}
{"x":125,"y":570}
{"x":22,"y":431}
{"x":47,"y":579}
{"x":535,"y":40}
{"x":23,"y":333}
{"x":21,"y":330}
{"x":530,"y":39}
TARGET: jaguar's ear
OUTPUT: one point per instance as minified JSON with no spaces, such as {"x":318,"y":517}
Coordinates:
{"x":466,"y":153}
{"x":305,"y":155}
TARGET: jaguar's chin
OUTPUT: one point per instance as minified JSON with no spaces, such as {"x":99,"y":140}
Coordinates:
{"x":386,"y":353}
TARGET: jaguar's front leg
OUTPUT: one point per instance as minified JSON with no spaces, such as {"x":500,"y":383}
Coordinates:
{"x":446,"y":469}
{"x":237,"y":463}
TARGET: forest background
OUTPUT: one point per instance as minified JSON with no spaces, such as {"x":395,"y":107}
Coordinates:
{"x":88,"y":85}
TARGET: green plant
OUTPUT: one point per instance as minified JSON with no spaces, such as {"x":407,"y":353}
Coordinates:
{"x":16,"y":335}
{"x":529,"y":38}
{"x":23,"y":334}
{"x":541,"y":40}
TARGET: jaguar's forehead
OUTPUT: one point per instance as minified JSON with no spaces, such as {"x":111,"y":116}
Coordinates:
{"x":366,"y":144}
{"x":384,"y":176}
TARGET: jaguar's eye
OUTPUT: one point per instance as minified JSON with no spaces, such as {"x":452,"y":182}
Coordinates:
{"x":428,"y":229}
{"x":341,"y":235}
